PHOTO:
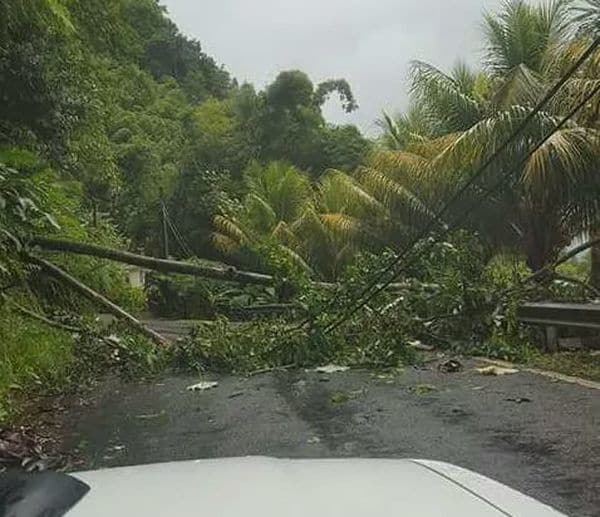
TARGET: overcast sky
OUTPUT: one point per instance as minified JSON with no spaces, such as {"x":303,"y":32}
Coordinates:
{"x":368,"y":42}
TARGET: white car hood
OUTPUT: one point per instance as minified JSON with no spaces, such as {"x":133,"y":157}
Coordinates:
{"x":268,"y":487}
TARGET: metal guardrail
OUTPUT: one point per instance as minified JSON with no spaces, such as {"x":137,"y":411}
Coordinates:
{"x":552,"y":315}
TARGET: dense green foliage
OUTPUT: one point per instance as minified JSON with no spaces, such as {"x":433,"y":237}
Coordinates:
{"x":31,"y":353}
{"x":111,"y":118}
{"x":117,"y":129}
{"x":450,"y":298}
{"x":119,"y":100}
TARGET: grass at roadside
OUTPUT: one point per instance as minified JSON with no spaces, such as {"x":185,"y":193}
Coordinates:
{"x":580,"y":364}
{"x":37,"y":358}
{"x":31,"y":354}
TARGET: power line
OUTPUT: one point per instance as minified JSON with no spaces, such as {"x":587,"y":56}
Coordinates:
{"x":367,"y":294}
{"x":487,"y":192}
{"x":178,"y":237}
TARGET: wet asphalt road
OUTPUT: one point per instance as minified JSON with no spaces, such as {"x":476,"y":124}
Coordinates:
{"x":544,"y":442}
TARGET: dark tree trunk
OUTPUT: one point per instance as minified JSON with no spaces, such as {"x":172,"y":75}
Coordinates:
{"x":543,"y":238}
{"x":595,"y":268}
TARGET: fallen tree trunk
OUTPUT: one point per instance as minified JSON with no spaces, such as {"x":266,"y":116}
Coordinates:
{"x":228,"y":273}
{"x":95,"y":297}
{"x":224,"y":272}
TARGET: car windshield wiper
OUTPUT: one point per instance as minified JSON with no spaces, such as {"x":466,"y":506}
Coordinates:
{"x":39,"y":494}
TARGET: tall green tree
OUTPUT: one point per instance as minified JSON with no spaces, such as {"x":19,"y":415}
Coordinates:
{"x":287,"y":122}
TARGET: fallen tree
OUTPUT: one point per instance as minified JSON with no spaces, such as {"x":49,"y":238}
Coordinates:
{"x":90,"y":294}
{"x":228,"y":273}
{"x":223,"y":272}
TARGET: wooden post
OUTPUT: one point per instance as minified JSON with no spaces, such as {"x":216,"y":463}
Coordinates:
{"x":551,"y":339}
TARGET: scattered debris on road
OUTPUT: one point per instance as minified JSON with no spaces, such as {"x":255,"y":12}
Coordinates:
{"x":423,"y":389}
{"x":518,"y":400}
{"x":450,"y":366}
{"x":418,"y":345}
{"x":495,"y":370}
{"x":202,"y":386}
{"x":150,"y":416}
{"x":235,"y":394}
{"x":24,"y":448}
{"x":331,"y":368}
{"x":339,"y":397}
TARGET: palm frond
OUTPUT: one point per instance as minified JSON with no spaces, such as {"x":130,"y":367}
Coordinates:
{"x":225,"y":244}
{"x":297,"y":259}
{"x":405,"y":129}
{"x":284,"y":233}
{"x":281,"y":186}
{"x":343,"y":225}
{"x":231,"y":229}
{"x":564,"y":163}
{"x":587,"y":16}
{"x":487,"y":136}
{"x":432,"y":148}
{"x":394,"y":195}
{"x":447,"y":107}
{"x":261,"y":215}
{"x":523,"y":34}
{"x":339,"y":192}
{"x":521,"y":87}
{"x":406,"y":163}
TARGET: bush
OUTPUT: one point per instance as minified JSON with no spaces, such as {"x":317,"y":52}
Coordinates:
{"x":35,"y":356}
{"x":117,"y":349}
{"x":246,"y":348}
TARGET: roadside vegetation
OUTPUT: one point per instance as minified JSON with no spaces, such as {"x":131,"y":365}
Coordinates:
{"x":119,"y":131}
{"x":579,"y":363}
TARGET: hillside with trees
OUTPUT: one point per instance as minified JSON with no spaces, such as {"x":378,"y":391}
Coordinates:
{"x":118,"y":131}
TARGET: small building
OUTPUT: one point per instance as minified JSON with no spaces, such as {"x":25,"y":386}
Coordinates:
{"x":136,"y":276}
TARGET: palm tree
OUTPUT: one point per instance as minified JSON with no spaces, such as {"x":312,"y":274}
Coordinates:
{"x":319,"y":227}
{"x":587,"y":17}
{"x":552,"y":195}
{"x":277,"y":196}
{"x":587,"y":21}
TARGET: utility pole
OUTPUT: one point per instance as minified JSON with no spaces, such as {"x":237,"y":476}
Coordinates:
{"x":165,"y":230}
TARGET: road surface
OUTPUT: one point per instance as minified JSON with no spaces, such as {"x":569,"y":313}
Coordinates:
{"x":534,"y":434}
